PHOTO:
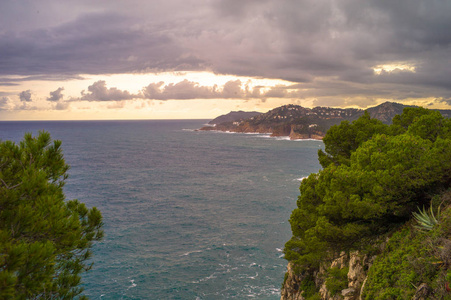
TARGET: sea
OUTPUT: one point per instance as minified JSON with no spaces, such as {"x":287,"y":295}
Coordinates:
{"x":187,"y":214}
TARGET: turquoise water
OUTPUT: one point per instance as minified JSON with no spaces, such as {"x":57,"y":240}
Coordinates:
{"x":188,"y":214}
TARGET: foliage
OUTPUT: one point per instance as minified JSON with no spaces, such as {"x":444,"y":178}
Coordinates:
{"x":341,"y":140}
{"x":404,"y":264}
{"x":316,"y":296}
{"x":337,"y":279}
{"x":45,"y":241}
{"x":373,"y":178}
{"x":308,"y":287}
{"x":426,"y":219}
{"x":401,"y":123}
{"x":412,"y":257}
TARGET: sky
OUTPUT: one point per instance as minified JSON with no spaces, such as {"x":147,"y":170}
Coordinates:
{"x":181,"y":59}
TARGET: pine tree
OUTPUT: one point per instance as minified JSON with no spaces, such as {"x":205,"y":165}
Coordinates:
{"x":45,"y":240}
{"x":373,"y":178}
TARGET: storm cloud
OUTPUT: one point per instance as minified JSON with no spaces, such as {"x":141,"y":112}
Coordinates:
{"x":329,"y":48}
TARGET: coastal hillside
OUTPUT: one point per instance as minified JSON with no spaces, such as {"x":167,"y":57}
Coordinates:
{"x":234,"y":116}
{"x":299,"y":122}
{"x":375,"y":222}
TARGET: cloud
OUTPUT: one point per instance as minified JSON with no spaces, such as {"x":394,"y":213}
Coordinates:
{"x":4,"y":103}
{"x":56,"y":95}
{"x":232,"y":89}
{"x":327,"y":46}
{"x":98,"y":91}
{"x":93,"y":43}
{"x":182,"y":90}
{"x":444,"y":100}
{"x":62,"y":105}
{"x":25,"y":96}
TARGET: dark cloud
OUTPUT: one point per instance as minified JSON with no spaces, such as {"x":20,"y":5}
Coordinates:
{"x":8,"y":84}
{"x":98,"y":91}
{"x":92,"y":44}
{"x":328,"y":46}
{"x":25,"y":96}
{"x":56,"y":95}
{"x":46,"y":77}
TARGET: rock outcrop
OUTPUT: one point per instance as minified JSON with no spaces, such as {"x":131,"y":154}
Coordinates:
{"x":290,"y":288}
{"x":357,"y":264}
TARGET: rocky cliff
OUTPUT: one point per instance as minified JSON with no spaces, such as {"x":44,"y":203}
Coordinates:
{"x":299,"y":122}
{"x":410,"y":263}
{"x":354,"y":264}
{"x":356,"y":267}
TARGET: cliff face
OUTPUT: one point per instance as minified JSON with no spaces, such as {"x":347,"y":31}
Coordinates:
{"x":357,"y":266}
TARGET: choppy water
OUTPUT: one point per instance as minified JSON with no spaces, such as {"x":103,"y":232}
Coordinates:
{"x":188,"y":215}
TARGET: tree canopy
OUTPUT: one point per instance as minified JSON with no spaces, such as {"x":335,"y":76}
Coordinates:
{"x":373,"y":177}
{"x":45,"y":241}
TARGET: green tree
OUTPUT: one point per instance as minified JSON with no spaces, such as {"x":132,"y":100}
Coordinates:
{"x":372,"y":185}
{"x":45,"y":241}
{"x":431,"y":126}
{"x":401,"y":123}
{"x":341,"y":140}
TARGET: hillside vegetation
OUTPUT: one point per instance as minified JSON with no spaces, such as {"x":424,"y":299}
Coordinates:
{"x":383,"y":191}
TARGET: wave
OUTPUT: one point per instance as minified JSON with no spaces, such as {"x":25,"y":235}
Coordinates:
{"x":278,"y":138}
{"x":301,"y":140}
{"x":191,"y":252}
{"x":266,"y":135}
{"x":132,"y":285}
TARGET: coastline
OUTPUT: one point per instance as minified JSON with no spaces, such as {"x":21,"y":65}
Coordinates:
{"x":293,"y":136}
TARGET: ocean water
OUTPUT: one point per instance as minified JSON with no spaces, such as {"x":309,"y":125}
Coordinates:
{"x":188,"y":214}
